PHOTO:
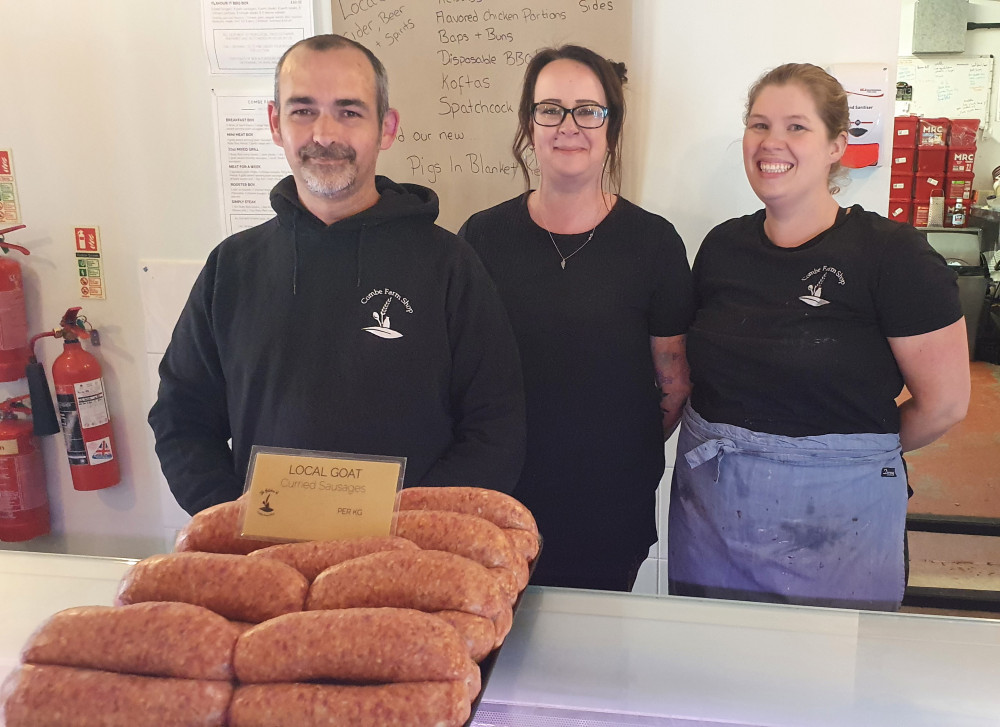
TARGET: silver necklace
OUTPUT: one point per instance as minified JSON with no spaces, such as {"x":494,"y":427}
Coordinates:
{"x":564,"y":258}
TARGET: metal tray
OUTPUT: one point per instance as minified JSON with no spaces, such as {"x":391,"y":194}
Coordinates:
{"x":487,"y":664}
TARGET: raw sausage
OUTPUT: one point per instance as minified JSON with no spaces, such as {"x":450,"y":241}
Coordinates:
{"x":234,"y":586}
{"x":358,"y":645}
{"x":312,"y":558}
{"x":525,"y":542}
{"x":217,"y":530}
{"x":503,"y":624}
{"x":478,"y":633}
{"x":467,"y":535}
{"x":414,"y":704}
{"x":473,"y":678}
{"x":521,"y":572}
{"x":57,"y":696}
{"x":500,"y":509}
{"x":507,"y":582}
{"x":155,"y":639}
{"x":427,"y":580}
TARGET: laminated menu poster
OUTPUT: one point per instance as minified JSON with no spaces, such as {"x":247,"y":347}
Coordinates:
{"x":455,"y":70}
{"x":248,"y":36}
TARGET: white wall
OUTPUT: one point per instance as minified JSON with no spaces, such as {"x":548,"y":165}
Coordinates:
{"x":106,"y":105}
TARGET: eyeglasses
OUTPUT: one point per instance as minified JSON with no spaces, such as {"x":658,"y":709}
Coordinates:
{"x":588,"y":116}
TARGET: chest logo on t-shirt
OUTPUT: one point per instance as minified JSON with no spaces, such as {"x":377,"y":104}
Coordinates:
{"x":820,"y":274}
{"x":384,"y":328}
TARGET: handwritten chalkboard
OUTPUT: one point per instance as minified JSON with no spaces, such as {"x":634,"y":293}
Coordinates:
{"x":455,"y":69}
{"x":956,"y":88}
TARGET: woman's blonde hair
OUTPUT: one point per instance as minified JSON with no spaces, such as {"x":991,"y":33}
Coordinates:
{"x":826,"y":92}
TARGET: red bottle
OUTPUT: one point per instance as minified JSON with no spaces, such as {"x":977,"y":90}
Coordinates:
{"x":24,"y":502}
{"x":84,"y":418}
{"x":13,"y":318}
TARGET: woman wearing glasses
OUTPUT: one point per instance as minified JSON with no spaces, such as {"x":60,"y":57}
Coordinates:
{"x":599,"y":294}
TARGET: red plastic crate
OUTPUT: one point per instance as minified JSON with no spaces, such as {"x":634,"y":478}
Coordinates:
{"x":933,"y":132}
{"x":963,"y":132}
{"x":931,"y":159}
{"x":900,"y":210}
{"x":901,"y":186}
{"x":958,"y":185}
{"x":925,"y":184}
{"x":904,"y":160}
{"x":960,"y":159}
{"x":905,"y":131}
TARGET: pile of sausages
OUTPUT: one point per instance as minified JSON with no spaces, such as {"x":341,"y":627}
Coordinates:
{"x":226,"y":631}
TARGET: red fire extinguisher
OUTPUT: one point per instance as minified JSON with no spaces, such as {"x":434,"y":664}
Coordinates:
{"x":83,"y":409}
{"x":13,"y":319}
{"x":24,"y":502}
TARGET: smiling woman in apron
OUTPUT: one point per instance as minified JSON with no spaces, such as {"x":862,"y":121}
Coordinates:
{"x":789,"y":484}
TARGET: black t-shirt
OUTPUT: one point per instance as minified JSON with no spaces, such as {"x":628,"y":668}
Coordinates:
{"x":595,"y":442}
{"x":792,"y":341}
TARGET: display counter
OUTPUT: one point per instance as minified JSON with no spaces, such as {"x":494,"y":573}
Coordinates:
{"x":662,"y":660}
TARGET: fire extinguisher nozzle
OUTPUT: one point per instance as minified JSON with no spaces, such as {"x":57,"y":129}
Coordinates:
{"x":43,"y":413}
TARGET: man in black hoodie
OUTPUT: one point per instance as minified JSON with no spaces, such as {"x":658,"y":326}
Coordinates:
{"x":350,"y":322}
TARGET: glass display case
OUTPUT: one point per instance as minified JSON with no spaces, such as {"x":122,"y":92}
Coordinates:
{"x":590,"y":659}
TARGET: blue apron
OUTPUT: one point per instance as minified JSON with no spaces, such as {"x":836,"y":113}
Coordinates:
{"x":803,"y":520}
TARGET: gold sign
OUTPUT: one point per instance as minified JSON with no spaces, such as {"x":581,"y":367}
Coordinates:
{"x":293,"y":494}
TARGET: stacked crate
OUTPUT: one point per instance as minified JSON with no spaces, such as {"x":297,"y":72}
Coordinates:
{"x":932,"y":158}
{"x":958,"y":171}
{"x":904,"y":168}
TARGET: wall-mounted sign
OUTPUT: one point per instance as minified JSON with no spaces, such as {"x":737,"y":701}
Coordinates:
{"x":89,"y":267}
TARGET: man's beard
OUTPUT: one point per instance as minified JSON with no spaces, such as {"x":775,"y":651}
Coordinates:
{"x":328,"y":180}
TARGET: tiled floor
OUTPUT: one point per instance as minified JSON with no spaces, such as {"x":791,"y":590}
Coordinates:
{"x":960,"y":475}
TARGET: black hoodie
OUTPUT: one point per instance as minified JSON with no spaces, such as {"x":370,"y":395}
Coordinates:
{"x":379,"y":334}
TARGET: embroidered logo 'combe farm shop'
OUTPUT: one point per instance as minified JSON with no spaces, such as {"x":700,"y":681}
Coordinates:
{"x":384,"y":328}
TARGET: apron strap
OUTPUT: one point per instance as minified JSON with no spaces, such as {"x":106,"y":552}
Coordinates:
{"x":713,"y":448}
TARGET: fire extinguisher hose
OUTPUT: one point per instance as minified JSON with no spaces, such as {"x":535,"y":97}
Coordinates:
{"x":44,"y":419}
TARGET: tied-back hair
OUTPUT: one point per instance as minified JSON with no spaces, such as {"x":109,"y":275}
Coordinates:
{"x":611,"y":75}
{"x":826,"y":92}
{"x":329,"y":41}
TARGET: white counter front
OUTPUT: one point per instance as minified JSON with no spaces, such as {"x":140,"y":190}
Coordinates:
{"x":743,"y":663}
{"x":685,"y":659}
{"x":33,"y":586}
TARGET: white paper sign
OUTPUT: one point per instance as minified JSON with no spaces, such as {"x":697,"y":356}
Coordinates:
{"x":249,"y":36}
{"x":250,"y":163}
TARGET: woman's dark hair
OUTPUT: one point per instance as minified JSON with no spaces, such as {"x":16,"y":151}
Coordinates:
{"x":611,"y":75}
